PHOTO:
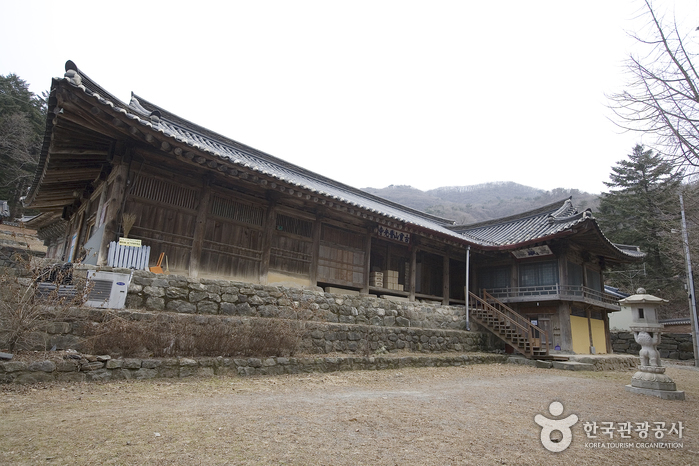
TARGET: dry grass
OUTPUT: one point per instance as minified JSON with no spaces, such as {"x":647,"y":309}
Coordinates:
{"x":25,"y":311}
{"x":466,"y":415}
{"x":167,"y":336}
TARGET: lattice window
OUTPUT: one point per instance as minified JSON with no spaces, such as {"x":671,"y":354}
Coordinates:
{"x":342,"y":237}
{"x":294,"y":225}
{"x":494,"y":277}
{"x":164,"y":192}
{"x":538,"y":274}
{"x":236,"y":211}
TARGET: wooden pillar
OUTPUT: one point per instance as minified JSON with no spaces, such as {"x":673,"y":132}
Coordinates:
{"x":199,"y":229}
{"x":101,"y":204}
{"x":445,"y":279}
{"x":76,"y":228}
{"x":413,"y":273}
{"x":269,"y":227}
{"x":112,"y":217}
{"x":315,"y":252}
{"x":589,"y":327}
{"x":367,"y":260}
{"x":565,"y":326}
{"x":607,"y":336}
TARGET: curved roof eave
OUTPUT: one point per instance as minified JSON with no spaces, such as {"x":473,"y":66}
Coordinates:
{"x":556,"y":220}
{"x":178,"y":131}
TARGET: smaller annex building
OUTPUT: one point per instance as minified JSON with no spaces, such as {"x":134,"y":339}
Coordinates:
{"x":548,"y":266}
{"x":214,"y":207}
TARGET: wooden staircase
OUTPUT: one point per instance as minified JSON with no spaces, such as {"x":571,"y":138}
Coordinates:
{"x":509,"y":326}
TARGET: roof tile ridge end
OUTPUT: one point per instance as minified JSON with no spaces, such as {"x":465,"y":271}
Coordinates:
{"x":521,"y":216}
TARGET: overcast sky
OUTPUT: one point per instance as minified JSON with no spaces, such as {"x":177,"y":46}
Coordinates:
{"x":370,"y":93}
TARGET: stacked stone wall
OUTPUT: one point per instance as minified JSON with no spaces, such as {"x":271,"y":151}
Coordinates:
{"x":333,"y":323}
{"x":103,"y":368}
{"x":14,"y":258}
{"x":672,"y":345}
{"x":352,"y":324}
{"x":316,"y":337}
{"x":182,"y":294}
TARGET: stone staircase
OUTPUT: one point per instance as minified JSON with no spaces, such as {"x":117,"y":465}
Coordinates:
{"x":509,"y":326}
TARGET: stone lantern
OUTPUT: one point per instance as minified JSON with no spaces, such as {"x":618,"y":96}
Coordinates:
{"x":651,"y":378}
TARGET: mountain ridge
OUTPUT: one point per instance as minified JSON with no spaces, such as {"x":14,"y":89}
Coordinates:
{"x":486,"y":201}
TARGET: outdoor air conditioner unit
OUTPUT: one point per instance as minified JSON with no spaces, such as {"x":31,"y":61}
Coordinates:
{"x":107,"y":290}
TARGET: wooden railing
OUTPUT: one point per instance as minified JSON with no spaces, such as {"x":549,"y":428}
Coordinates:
{"x":570,"y":292}
{"x":521,"y":327}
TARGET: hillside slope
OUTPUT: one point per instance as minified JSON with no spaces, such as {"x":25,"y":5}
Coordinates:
{"x":477,"y":203}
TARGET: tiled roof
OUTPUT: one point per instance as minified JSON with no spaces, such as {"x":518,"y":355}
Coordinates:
{"x":528,"y":226}
{"x":557,"y":219}
{"x":245,"y":157}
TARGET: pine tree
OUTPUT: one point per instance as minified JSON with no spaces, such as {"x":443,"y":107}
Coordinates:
{"x":22,"y":122}
{"x":641,"y":208}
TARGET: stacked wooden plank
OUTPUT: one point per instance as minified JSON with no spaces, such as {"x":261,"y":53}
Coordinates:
{"x":392,"y":280}
{"x":376,"y":279}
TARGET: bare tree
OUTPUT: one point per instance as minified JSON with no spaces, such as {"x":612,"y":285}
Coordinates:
{"x":662,"y":97}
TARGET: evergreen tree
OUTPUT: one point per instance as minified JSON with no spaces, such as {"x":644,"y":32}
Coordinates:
{"x":641,"y":209}
{"x":22,"y":122}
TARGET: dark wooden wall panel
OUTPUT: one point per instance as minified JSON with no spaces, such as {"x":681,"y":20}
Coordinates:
{"x":231,"y":250}
{"x":341,"y":257}
{"x":165,"y":229}
{"x":291,"y":254}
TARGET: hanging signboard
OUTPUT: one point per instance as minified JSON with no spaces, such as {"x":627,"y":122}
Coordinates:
{"x":130,"y":242}
{"x":536,"y":251}
{"x":390,"y":233}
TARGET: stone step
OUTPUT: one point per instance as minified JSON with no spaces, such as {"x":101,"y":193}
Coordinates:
{"x":573,"y":366}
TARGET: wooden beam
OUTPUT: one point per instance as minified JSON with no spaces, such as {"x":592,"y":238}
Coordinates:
{"x":589,"y":327}
{"x":445,"y":279}
{"x":413,"y":274}
{"x":267,"y":232}
{"x":113,"y":206}
{"x":607,"y":336}
{"x":367,"y":259}
{"x":315,"y":249}
{"x":199,"y":228}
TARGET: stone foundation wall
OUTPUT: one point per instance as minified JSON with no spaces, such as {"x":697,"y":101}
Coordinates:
{"x":205,"y":296}
{"x":103,"y":368}
{"x":672,"y":345}
{"x":333,"y":323}
{"x":316,"y":337}
{"x":17,"y":256}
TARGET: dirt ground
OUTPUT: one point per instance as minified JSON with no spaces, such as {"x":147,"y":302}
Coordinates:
{"x":460,"y":415}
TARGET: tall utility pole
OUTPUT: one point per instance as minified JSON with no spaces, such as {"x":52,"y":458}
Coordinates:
{"x":690,"y":284}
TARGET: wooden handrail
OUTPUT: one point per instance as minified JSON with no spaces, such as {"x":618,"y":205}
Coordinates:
{"x":525,"y":328}
{"x":526,"y":321}
{"x":487,"y":297}
{"x":556,"y":291}
{"x":499,"y":313}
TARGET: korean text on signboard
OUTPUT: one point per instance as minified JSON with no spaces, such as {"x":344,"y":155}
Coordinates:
{"x":395,"y":235}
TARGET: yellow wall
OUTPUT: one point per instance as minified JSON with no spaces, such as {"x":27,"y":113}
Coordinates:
{"x":581,"y":334}
{"x":598,"y":339}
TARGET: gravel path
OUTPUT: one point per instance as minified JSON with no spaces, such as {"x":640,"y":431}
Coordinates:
{"x":482,"y":414}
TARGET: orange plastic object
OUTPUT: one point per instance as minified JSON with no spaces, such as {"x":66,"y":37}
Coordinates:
{"x":157,"y":268}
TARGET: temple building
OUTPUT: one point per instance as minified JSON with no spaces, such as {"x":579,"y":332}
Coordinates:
{"x":214,"y":207}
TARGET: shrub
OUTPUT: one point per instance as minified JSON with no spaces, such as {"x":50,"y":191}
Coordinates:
{"x":28,"y":303}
